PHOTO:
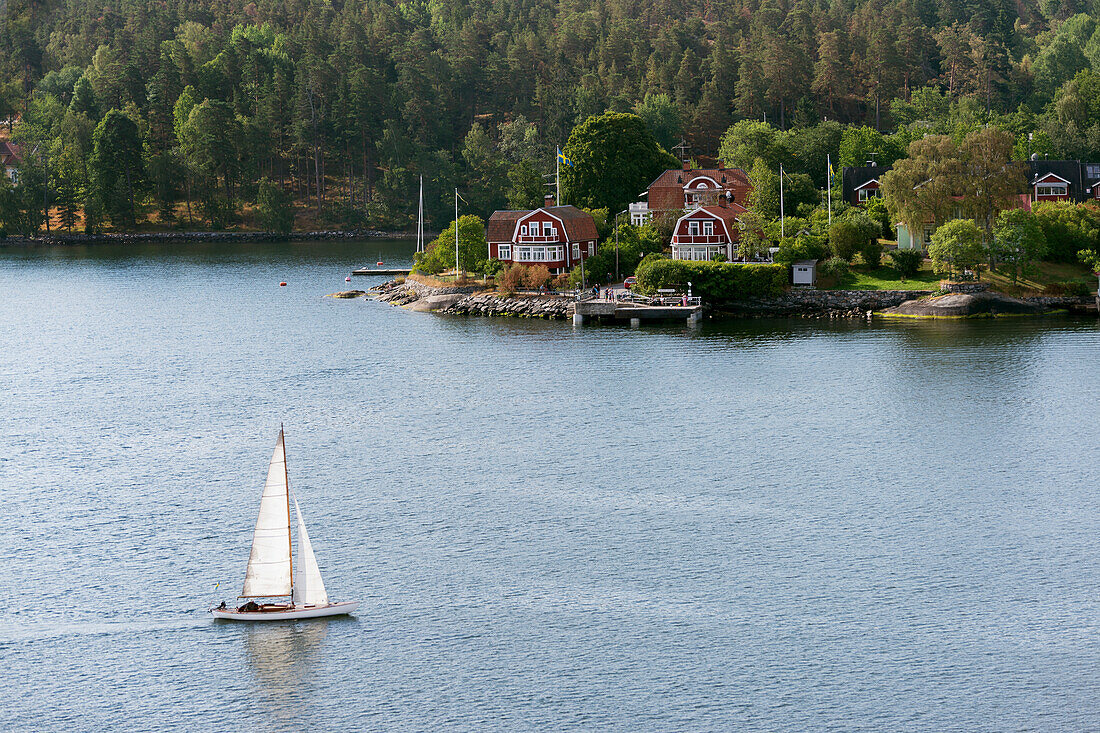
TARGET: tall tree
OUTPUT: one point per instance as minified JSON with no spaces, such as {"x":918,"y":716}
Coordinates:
{"x":614,"y":156}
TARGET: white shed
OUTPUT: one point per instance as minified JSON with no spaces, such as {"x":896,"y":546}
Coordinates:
{"x":805,"y":272}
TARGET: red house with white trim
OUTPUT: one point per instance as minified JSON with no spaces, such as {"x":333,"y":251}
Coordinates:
{"x":10,"y":160}
{"x":687,"y":188}
{"x":863,"y":183}
{"x":707,"y":232}
{"x":557,"y":237}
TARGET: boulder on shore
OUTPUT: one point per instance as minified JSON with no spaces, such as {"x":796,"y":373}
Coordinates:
{"x":965,"y":305}
{"x":349,"y":294}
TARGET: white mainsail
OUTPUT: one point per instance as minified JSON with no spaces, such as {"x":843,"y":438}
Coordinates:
{"x":309,"y":589}
{"x":269,"y":569}
{"x":420,"y":219}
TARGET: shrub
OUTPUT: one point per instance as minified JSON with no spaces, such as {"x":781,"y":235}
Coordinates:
{"x":493,"y":267}
{"x":274,"y":207}
{"x":802,"y":247}
{"x":512,"y":278}
{"x":871,"y":252}
{"x":907,"y":261}
{"x":956,"y":248}
{"x":715,"y":282}
{"x":834,"y":267}
{"x":1068,"y":228}
{"x":852,"y":233}
{"x":536,"y":277}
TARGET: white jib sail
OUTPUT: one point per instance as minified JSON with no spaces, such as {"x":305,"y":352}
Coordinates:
{"x":269,"y":569}
{"x":309,"y":589}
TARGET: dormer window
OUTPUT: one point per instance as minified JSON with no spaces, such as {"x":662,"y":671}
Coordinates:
{"x":523,"y":230}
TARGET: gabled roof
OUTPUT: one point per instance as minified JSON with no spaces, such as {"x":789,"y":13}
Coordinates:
{"x":10,"y":153}
{"x":853,"y":179}
{"x":731,"y":176}
{"x":1068,"y":170}
{"x":579,"y":226}
{"x":1047,"y":178}
{"x":866,"y":183}
{"x":727,"y":215}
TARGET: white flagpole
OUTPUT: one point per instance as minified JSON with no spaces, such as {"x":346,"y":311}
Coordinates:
{"x":557,"y":177}
{"x":782,"y":219}
{"x":456,"y":233}
{"x":829,"y":184}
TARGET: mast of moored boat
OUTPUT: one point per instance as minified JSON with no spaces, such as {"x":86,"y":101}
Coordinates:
{"x":289,"y":545}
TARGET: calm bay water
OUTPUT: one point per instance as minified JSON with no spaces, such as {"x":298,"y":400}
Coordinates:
{"x":760,"y":525}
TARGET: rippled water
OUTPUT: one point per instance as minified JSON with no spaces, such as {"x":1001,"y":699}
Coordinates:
{"x":762,"y":525}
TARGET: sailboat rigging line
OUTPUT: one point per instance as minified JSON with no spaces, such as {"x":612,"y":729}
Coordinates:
{"x":289,"y":544}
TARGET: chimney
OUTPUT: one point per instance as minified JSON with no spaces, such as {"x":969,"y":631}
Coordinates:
{"x":871,"y":164}
{"x":721,"y":164}
{"x":687,"y":165}
{"x":548,"y":200}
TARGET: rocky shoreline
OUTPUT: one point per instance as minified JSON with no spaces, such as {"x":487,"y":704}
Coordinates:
{"x":471,"y":301}
{"x":53,"y":240}
{"x":815,"y":304}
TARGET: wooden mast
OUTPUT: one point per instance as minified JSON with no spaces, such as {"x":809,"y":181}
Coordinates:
{"x":289,"y":546}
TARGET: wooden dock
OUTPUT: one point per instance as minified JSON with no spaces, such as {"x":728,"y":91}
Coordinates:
{"x":380,"y":271}
{"x":636,"y":311}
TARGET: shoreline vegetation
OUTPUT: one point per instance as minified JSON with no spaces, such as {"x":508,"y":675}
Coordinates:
{"x":61,"y":239}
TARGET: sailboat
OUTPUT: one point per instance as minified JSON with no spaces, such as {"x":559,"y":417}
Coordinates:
{"x":270,"y":573}
{"x":420,"y":219}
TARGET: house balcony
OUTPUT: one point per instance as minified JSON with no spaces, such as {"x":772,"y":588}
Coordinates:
{"x":550,"y":239}
{"x":700,"y":239}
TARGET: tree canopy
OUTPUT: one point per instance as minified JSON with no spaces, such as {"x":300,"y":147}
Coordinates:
{"x":614,"y":157}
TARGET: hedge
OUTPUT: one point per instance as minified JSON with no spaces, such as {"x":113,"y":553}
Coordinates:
{"x":714,"y":282}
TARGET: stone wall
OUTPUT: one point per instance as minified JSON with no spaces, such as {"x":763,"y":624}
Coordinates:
{"x":824,"y":303}
{"x":967,"y":288}
{"x":1062,"y":301}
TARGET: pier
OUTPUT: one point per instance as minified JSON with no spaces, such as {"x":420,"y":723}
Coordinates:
{"x":635,"y":309}
{"x":380,"y":271}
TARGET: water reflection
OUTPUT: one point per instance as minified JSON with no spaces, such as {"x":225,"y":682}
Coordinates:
{"x":283,"y":659}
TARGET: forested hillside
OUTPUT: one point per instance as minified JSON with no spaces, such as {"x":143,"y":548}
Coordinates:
{"x":180,"y":109}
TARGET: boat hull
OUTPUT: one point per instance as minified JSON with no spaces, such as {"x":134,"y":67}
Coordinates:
{"x":287,"y":613}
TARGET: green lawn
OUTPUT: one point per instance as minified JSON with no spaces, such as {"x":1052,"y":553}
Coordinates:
{"x":862,"y":277}
{"x":1038,"y":277}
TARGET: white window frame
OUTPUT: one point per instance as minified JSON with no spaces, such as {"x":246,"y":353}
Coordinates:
{"x":693,"y":228}
{"x":708,"y":228}
{"x":866,"y":194}
{"x":504,"y":251}
{"x":523,"y":230}
{"x":547,"y":229}
{"x":576,"y":251}
{"x":1051,"y":189}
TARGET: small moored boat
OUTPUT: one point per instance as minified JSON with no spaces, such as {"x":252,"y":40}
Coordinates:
{"x":270,"y":574}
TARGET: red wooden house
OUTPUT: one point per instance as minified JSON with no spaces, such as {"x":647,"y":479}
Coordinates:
{"x":557,"y":237}
{"x":687,"y":188}
{"x":10,"y":159}
{"x":862,"y":183}
{"x":707,"y":232}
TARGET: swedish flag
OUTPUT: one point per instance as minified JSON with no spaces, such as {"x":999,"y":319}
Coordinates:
{"x":563,"y":159}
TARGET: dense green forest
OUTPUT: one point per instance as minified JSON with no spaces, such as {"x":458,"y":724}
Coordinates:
{"x":203,"y":111}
